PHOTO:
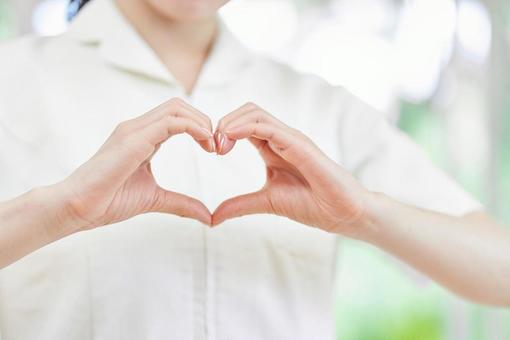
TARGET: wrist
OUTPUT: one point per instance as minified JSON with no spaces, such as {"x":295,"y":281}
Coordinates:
{"x":51,"y":204}
{"x":371,"y":226}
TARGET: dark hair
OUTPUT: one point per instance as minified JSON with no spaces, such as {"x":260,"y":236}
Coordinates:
{"x":74,"y":7}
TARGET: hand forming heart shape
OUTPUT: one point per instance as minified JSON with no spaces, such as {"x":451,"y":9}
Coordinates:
{"x":302,"y":184}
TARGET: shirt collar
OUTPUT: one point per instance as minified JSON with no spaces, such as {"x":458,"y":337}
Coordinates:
{"x":100,"y":24}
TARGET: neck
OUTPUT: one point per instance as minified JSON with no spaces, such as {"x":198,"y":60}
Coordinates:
{"x":183,"y":46}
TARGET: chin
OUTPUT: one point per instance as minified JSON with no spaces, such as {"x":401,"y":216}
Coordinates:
{"x":186,"y":10}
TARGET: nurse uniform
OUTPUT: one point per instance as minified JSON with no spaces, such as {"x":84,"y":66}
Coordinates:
{"x":160,"y":276}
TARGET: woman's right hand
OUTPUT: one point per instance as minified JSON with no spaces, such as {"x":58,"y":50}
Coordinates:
{"x":117,"y":182}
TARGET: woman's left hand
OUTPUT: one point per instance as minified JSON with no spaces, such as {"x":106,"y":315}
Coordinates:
{"x":303,"y":184}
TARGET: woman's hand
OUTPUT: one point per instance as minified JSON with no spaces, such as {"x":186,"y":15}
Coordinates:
{"x":117,"y":182}
{"x":303,"y":184}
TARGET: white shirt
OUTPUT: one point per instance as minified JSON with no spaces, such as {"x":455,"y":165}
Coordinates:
{"x":159,"y":276}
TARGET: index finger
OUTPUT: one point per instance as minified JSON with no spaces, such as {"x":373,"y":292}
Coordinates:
{"x":292,"y":147}
{"x":175,"y":107}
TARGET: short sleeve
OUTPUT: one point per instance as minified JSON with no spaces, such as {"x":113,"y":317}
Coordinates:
{"x":385,"y":160}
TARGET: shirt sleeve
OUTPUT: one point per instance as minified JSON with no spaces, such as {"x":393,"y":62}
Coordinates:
{"x":385,"y":160}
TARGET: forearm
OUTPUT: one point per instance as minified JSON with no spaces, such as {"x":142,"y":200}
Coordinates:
{"x":28,"y":223}
{"x":114,"y":185}
{"x":469,"y":255}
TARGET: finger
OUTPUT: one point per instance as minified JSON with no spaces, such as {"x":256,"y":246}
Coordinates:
{"x":142,"y":143}
{"x":208,"y":145}
{"x":177,"y":107}
{"x":280,"y":140}
{"x":170,"y":202}
{"x":174,"y":107}
{"x":258,"y":116}
{"x":257,"y":143}
{"x":235,"y":114}
{"x":121,"y":156}
{"x":223,"y":144}
{"x":167,"y":127}
{"x":199,"y":114}
{"x":248,"y":204}
{"x":294,"y":148}
{"x":254,"y":116}
{"x":247,"y":113}
{"x":156,"y":149}
{"x":267,"y":154}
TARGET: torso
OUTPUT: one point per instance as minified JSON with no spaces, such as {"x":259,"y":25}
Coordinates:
{"x":157,"y":274}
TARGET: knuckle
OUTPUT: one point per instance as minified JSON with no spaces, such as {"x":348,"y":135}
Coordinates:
{"x":250,"y":106}
{"x":259,"y":117}
{"x":170,"y":119}
{"x":174,"y":111}
{"x":209,"y":122}
{"x":176,"y":101}
{"x":122,"y":127}
{"x":297,"y":133}
{"x":173,"y":114}
{"x":120,"y":132}
{"x":259,"y":114}
{"x":221,"y":123}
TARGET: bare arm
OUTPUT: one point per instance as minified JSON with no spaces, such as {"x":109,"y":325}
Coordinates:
{"x":114,"y":185}
{"x":469,"y":255}
{"x":25,"y":223}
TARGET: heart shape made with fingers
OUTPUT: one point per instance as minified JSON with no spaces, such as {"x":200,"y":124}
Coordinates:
{"x":211,"y":177}
{"x":302,"y":183}
{"x":284,"y":190}
{"x":250,"y":187}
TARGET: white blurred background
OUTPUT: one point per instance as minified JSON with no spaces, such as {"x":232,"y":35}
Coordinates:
{"x":438,"y":69}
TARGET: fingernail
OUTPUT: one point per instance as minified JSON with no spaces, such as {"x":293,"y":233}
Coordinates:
{"x":216,"y":140}
{"x":222,"y":143}
{"x":220,"y":140}
{"x":212,"y":145}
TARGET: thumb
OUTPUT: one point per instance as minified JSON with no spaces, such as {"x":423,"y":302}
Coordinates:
{"x":170,"y":202}
{"x":248,"y":204}
{"x":267,"y":154}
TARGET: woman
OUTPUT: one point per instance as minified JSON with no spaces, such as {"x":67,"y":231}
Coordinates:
{"x":152,"y":276}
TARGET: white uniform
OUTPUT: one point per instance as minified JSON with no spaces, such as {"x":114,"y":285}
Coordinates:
{"x":159,"y":276}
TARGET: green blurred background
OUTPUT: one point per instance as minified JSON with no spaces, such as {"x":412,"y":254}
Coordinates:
{"x":440,"y":69}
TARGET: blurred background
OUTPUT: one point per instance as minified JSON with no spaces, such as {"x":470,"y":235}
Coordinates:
{"x":440,"y":70}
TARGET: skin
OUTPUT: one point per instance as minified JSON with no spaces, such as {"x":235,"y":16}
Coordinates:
{"x":181,"y":32}
{"x":114,"y":185}
{"x":470,"y":255}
